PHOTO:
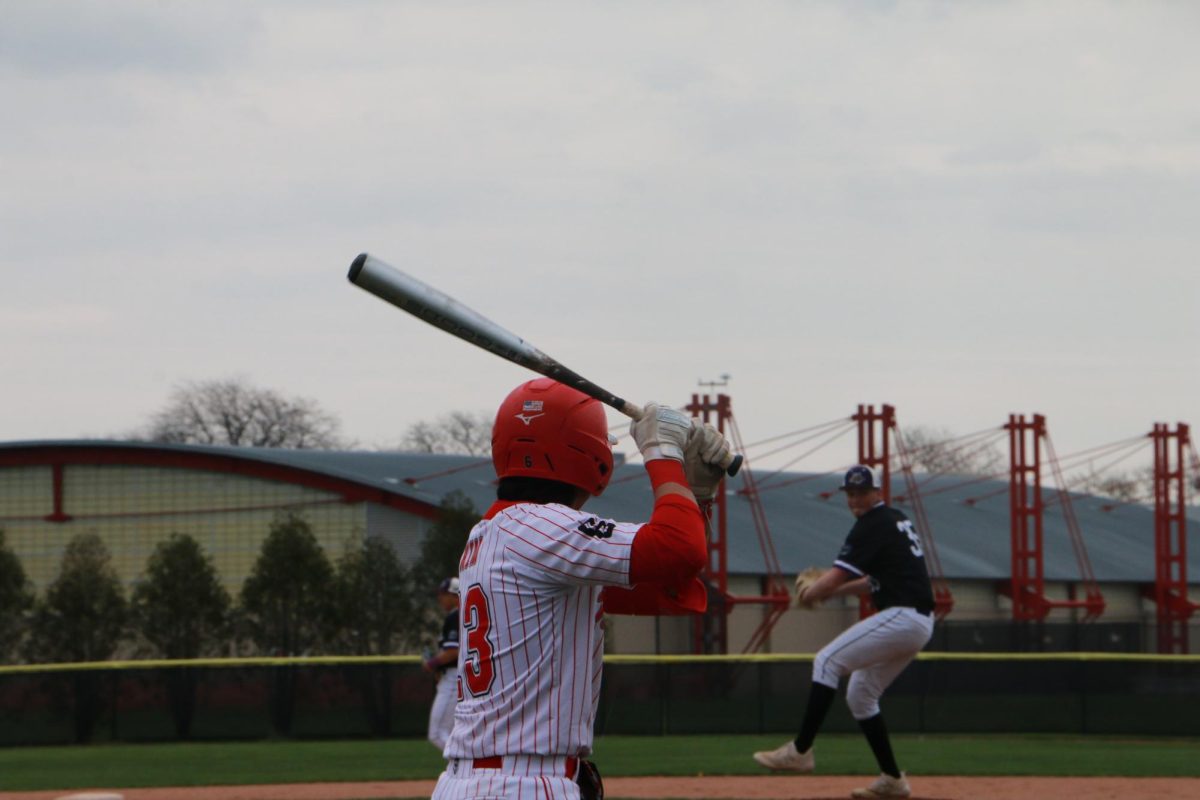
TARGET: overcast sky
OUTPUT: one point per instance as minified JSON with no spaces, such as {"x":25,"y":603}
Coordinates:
{"x":962,"y":209}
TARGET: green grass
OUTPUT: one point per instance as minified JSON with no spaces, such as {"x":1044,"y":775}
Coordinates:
{"x":202,"y":764}
{"x":943,"y":754}
{"x":129,"y":766}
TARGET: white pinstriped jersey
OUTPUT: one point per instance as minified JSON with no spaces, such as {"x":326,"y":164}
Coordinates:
{"x":530,"y":659}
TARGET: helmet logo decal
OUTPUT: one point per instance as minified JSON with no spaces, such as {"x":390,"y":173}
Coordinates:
{"x":527,"y":407}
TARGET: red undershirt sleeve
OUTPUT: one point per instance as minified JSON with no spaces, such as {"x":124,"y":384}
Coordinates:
{"x":667,"y":554}
{"x":671,"y":548}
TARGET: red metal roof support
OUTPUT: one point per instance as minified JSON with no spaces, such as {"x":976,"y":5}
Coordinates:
{"x":873,"y":452}
{"x":875,"y":433}
{"x":943,"y":600}
{"x":873,"y":442}
{"x":56,"y":487}
{"x":777,"y":593}
{"x":710,"y":631}
{"x":1170,"y":538}
{"x":1025,"y":506}
{"x":1027,"y":588}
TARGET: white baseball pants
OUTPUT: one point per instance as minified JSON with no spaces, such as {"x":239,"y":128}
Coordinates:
{"x":872,"y":652}
{"x":441,"y":715}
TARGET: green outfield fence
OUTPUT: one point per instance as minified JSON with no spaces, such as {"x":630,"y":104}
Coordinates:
{"x":230,"y":699}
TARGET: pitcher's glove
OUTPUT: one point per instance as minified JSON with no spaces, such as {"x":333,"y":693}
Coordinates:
{"x":805,"y":579}
{"x":588,"y":778}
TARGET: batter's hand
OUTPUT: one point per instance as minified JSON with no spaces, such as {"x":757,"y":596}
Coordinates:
{"x":705,"y":450}
{"x":661,"y":432}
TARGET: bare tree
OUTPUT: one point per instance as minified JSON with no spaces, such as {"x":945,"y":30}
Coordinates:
{"x":1128,"y":487}
{"x":232,"y":412}
{"x":938,"y":451}
{"x":464,"y":432}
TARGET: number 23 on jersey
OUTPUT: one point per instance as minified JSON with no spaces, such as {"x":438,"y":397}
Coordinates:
{"x":478,"y":672}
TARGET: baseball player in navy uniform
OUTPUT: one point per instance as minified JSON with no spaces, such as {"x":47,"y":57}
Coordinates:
{"x":444,"y":664}
{"x":882,"y":555}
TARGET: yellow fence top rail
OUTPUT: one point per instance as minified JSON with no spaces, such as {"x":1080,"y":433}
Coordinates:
{"x":303,"y":661}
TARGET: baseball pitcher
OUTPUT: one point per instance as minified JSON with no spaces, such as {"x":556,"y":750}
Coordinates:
{"x":882,"y":555}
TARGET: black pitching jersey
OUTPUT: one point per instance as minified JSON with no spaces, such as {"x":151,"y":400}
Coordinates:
{"x":449,"y":640}
{"x":884,"y":545}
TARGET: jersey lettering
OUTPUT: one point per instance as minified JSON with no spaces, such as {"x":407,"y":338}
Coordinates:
{"x":470,"y":554}
{"x":906,"y":527}
{"x":597,"y":528}
{"x":479,"y":670}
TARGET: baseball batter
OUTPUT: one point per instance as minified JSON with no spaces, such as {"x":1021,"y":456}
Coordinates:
{"x":531,"y":580}
{"x":444,"y":664}
{"x":882,"y":555}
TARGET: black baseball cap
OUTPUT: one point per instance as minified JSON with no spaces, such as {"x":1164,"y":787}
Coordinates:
{"x":860,"y":477}
{"x":449,"y":585}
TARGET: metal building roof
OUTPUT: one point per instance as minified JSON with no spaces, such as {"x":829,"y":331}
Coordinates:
{"x":808,"y":521}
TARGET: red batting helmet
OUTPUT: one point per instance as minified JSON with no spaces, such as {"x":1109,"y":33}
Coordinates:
{"x":545,"y":429}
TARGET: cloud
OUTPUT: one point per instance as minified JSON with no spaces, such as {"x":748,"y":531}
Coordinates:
{"x":96,"y":37}
{"x":829,"y":183}
{"x":52,"y":320}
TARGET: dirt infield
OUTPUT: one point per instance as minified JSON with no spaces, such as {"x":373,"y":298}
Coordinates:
{"x":714,"y":788}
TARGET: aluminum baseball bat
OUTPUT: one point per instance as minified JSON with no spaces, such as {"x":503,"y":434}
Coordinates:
{"x":442,"y":311}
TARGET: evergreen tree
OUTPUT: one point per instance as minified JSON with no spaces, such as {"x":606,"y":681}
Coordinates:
{"x":83,"y":614}
{"x":373,"y":609}
{"x":286,"y":600}
{"x":15,"y":599}
{"x":373,"y":604}
{"x":180,"y":607}
{"x":443,"y":545}
{"x":81,"y":618}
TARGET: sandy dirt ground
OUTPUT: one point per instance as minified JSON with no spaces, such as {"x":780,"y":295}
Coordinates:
{"x":806,"y":787}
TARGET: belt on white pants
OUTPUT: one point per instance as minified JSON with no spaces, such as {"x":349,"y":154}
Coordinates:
{"x":518,"y":765}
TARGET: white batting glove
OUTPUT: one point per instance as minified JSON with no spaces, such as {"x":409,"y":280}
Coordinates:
{"x":710,"y":445}
{"x":661,"y":432}
{"x":706,"y":450}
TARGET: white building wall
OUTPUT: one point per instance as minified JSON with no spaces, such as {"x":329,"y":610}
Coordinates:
{"x":801,"y":631}
{"x":404,"y":531}
{"x":641,"y":635}
{"x":977,"y":600}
